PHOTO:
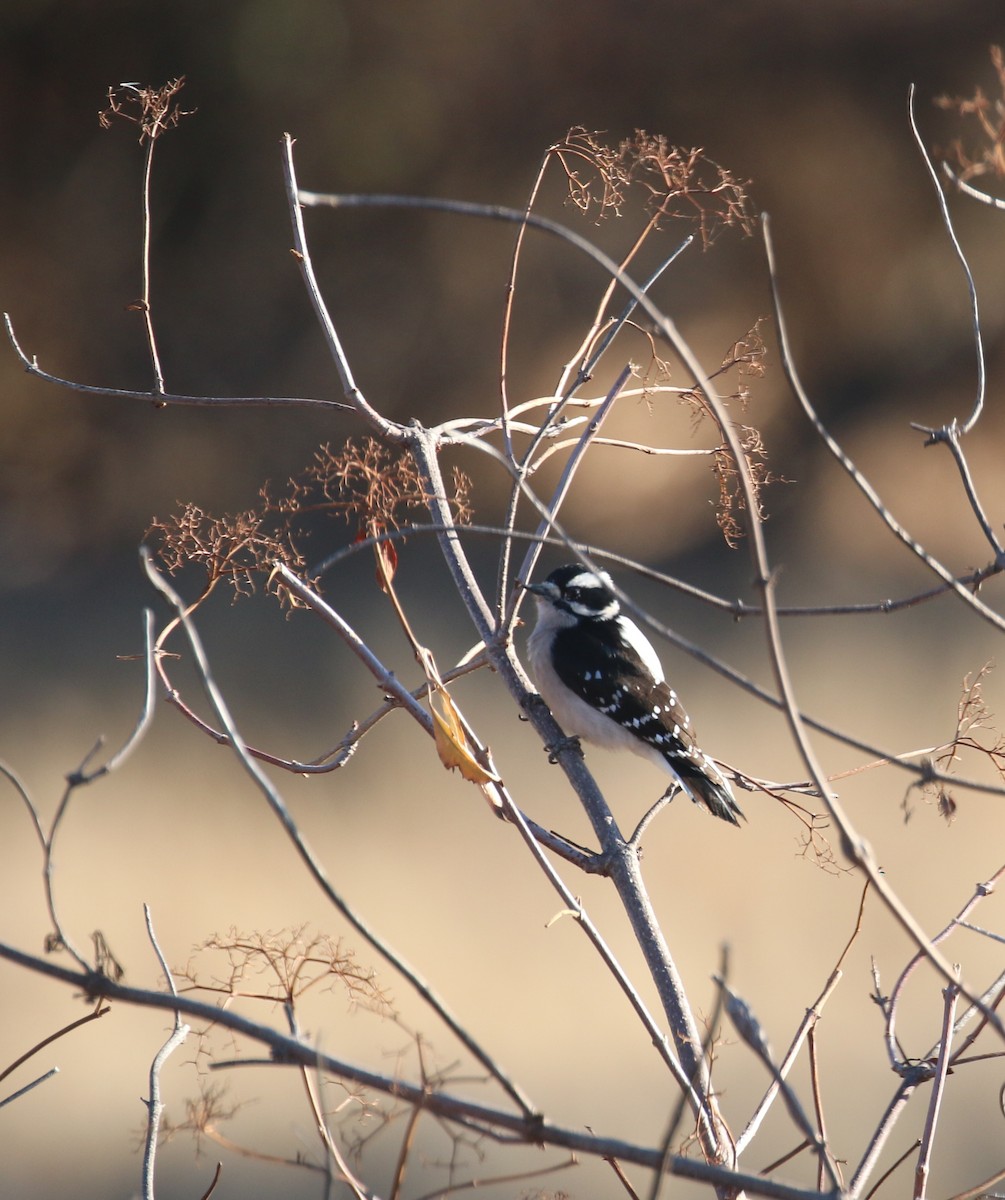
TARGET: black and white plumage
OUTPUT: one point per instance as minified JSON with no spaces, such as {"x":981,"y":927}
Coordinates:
{"x":604,"y":682}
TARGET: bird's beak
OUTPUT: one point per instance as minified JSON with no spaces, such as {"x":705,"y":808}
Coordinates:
{"x":537,"y":588}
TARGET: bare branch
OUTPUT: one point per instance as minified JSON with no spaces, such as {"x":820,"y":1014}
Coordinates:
{"x":153,"y":1103}
{"x":978,"y":408}
{"x":286,"y":1050}
{"x":950,"y":995}
{"x":388,"y":430}
{"x":314,"y":867}
{"x":164,"y":399}
{"x":857,"y":477}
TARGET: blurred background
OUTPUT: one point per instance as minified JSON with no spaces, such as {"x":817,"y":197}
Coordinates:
{"x":460,"y":99}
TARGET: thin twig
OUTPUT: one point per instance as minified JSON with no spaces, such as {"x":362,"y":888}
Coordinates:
{"x":572,"y":465}
{"x":981,"y":891}
{"x":154,"y":1106}
{"x":19,"y":786}
{"x":83,"y":775}
{"x":165,"y":399}
{"x":566,"y":391}
{"x":386,"y":678}
{"x":314,"y":867}
{"x":949,"y":435}
{"x":921,"y":1173}
{"x":502,"y":585}
{"x":877,"y":1142}
{"x":805,"y":1026}
{"x":390,"y":430}
{"x":98,"y":1012}
{"x":992,"y":997}
{"x":148,"y":320}
{"x":969,"y":190}
{"x":22,"y":1091}
{"x":499,"y":1180}
{"x":146,"y":715}
{"x":331,"y":1148}
{"x":897,"y":1162}
{"x":860,"y":481}
{"x":947,"y":222}
{"x":752,"y":1033}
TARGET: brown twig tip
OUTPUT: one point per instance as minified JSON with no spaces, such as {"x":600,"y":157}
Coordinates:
{"x":371,"y":483}
{"x":681,"y":184}
{"x":975,"y":732}
{"x":366,"y":483}
{"x":281,"y":966}
{"x":152,"y":110}
{"x":988,"y":157}
{"x":732,"y":500}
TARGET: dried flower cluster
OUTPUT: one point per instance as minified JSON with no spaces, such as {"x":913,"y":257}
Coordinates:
{"x":745,"y":356}
{"x":989,"y":114}
{"x":152,"y":110}
{"x":976,"y":732}
{"x":683,"y":184}
{"x":282,"y":967}
{"x":731,"y":497}
{"x":368,"y":484}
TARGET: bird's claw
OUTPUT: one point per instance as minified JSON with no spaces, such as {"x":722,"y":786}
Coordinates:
{"x":565,"y":743}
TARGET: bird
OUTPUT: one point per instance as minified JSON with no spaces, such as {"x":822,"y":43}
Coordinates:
{"x":604,"y":682}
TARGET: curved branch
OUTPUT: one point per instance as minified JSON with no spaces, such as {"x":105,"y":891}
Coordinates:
{"x":390,"y":430}
{"x":978,"y":408}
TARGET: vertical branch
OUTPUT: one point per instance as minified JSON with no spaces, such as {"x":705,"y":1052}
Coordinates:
{"x":951,"y":995}
{"x":978,"y":408}
{"x":153,"y":111}
{"x":83,"y":776}
{"x":422,"y":443}
{"x":624,"y":868}
{"x":154,"y":1106}
{"x":313,"y":1093}
{"x":144,"y":304}
{"x":818,"y":1109}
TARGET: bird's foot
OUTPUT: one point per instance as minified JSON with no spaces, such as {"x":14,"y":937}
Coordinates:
{"x":565,"y":743}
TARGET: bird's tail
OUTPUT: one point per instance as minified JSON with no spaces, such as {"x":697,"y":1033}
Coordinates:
{"x":708,"y":788}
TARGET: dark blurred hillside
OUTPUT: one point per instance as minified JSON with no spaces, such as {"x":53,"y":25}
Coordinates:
{"x":450,"y":99}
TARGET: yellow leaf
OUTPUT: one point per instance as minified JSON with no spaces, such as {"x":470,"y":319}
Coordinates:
{"x":455,"y":751}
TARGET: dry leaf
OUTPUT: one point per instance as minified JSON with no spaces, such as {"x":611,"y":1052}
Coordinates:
{"x":452,"y":745}
{"x":387,"y":562}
